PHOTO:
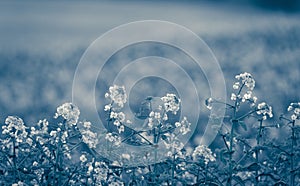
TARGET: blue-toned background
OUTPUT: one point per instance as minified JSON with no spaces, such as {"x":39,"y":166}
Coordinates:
{"x":41,"y":44}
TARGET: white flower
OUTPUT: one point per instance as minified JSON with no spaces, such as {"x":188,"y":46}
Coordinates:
{"x":83,"y":158}
{"x":171,"y":103}
{"x":295,"y":107}
{"x":246,"y":79}
{"x":88,"y":137}
{"x":15,"y":128}
{"x":236,"y":85}
{"x":35,"y":163}
{"x":114,"y":115}
{"x":107,"y":107}
{"x":265,"y":110}
{"x":117,"y":94}
{"x":113,"y":138}
{"x":184,"y":126}
{"x":202,"y":152}
{"x":69,"y":112}
{"x":233,"y":97}
{"x":121,"y":129}
{"x":87,"y":124}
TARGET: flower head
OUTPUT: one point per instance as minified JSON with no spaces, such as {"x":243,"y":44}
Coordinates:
{"x":171,"y":103}
{"x":117,"y":94}
{"x":203,"y":152}
{"x":69,"y":112}
{"x":264,"y":110}
{"x":88,"y":137}
{"x":245,"y":79}
{"x":15,"y":128}
{"x":295,"y":107}
{"x":244,"y":87}
{"x":183,"y":126}
{"x":113,"y":138}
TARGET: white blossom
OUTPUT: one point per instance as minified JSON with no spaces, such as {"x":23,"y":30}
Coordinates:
{"x":69,"y":112}
{"x":171,"y":103}
{"x":265,"y":110}
{"x":295,"y":107}
{"x":202,"y":152}
{"x":117,"y":94}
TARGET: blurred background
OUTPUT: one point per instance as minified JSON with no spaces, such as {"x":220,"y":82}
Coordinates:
{"x":42,"y":42}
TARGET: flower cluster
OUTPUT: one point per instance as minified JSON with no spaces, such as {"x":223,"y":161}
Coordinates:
{"x":15,"y":128}
{"x":69,"y":112}
{"x":117,"y":95}
{"x":244,"y":80}
{"x":183,"y":126}
{"x":97,"y":169}
{"x":118,"y":120}
{"x":60,"y":137}
{"x":295,"y":107}
{"x":88,"y":137}
{"x":155,"y":118}
{"x":202,"y":152}
{"x":171,"y":103}
{"x":113,"y":138}
{"x":265,"y":110}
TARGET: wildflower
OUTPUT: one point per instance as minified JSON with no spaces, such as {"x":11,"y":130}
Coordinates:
{"x":69,"y":112}
{"x":83,"y":158}
{"x":107,"y":107}
{"x":88,"y":137}
{"x":184,"y":126}
{"x":208,"y":103}
{"x":87,"y":124}
{"x":203,"y":152}
{"x":295,"y":107}
{"x":113,"y":138}
{"x":236,"y":85}
{"x":264,"y":110}
{"x":171,"y":103}
{"x":15,"y":128}
{"x":246,"y":79}
{"x":117,"y":94}
{"x":233,"y":97}
{"x":154,"y":119}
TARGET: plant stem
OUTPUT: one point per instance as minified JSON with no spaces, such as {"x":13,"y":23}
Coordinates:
{"x":257,"y":151}
{"x":292,"y":181}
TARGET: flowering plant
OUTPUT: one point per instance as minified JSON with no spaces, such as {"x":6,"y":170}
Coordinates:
{"x":65,"y":152}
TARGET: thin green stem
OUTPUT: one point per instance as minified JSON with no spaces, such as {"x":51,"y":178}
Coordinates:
{"x":292,"y":181}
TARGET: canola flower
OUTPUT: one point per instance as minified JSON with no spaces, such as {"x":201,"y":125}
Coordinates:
{"x":295,"y":107}
{"x":202,"y":152}
{"x":69,"y":112}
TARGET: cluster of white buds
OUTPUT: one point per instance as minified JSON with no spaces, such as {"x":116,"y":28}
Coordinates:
{"x":265,"y":110}
{"x":295,"y":107}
